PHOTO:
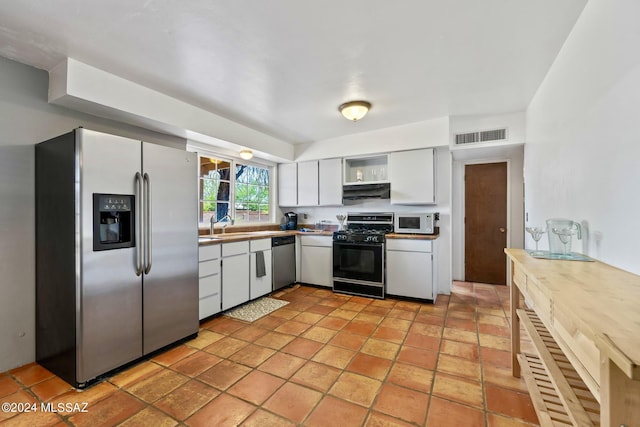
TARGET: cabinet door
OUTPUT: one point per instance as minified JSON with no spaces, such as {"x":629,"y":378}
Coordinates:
{"x":288,"y":184}
{"x":330,"y":182}
{"x":209,"y":303}
{"x":235,"y":280}
{"x":409,"y":274}
{"x":316,"y":266}
{"x":412,"y":177}
{"x":308,"y":183}
{"x":260,"y":286}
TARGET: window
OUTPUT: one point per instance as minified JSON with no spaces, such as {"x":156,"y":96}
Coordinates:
{"x":244,"y":195}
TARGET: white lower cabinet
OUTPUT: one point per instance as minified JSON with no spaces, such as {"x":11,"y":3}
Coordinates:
{"x":410,"y":268}
{"x":259,"y":286}
{"x":235,"y":274}
{"x":316,"y":260}
{"x":209,"y":281}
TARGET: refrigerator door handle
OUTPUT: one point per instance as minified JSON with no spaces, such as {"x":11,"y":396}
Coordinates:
{"x":147,"y":223}
{"x":138,"y":220}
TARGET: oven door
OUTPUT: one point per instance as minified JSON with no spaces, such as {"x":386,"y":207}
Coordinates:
{"x":358,"y":261}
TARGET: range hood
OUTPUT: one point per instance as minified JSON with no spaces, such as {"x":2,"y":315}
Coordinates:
{"x":366,"y":191}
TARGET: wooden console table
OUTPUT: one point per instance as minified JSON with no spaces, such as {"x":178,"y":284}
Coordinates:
{"x":583,"y":319}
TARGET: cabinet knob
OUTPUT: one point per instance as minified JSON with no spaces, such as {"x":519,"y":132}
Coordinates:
{"x":502,"y":229}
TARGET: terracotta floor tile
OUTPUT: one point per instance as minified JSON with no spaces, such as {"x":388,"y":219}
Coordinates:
{"x":458,"y":389}
{"x":460,"y":335}
{"x":377,"y":419}
{"x":187,"y":399}
{"x":282,"y":365}
{"x":389,"y":334}
{"x":419,"y":357}
{"x":302,"y":347}
{"x":460,"y":349}
{"x":333,"y":412}
{"x":387,"y":303}
{"x":343,"y":314}
{"x":502,"y":377}
{"x":224,"y":374}
{"x":250,"y":333}
{"x":384,"y":349}
{"x":108,"y":412}
{"x":465,"y":324}
{"x":423,"y":342}
{"x":293,"y":327}
{"x":380,"y":311}
{"x":156,"y":386}
{"x":320,"y":334}
{"x":369,"y":317}
{"x":401,"y":314}
{"x":196,"y":364}
{"x":411,"y":376}
{"x":274,"y":340}
{"x":224,"y":325}
{"x":285,"y":313}
{"x":293,"y":402}
{"x":495,"y":420}
{"x":348,"y":340}
{"x":8,"y":385}
{"x":204,"y":339}
{"x":136,"y":373}
{"x":459,"y":367}
{"x":31,"y":419}
{"x":353,"y":305}
{"x":174,"y":355}
{"x":429,"y":319}
{"x":370,"y":366}
{"x":225,"y":347}
{"x":510,"y":403}
{"x":149,"y":417}
{"x":490,"y":318}
{"x":256,"y":387}
{"x":19,"y":396}
{"x":332,"y":302}
{"x":359,"y":327}
{"x":334,"y":356}
{"x":334,"y":323}
{"x":224,"y":410}
{"x":402,"y":403}
{"x":411,"y":306}
{"x":396,"y":323}
{"x":252,"y":355}
{"x":495,"y":342}
{"x":468,"y":315}
{"x":501,"y":331}
{"x":262,"y":418}
{"x":426,"y":329}
{"x":269,"y":322}
{"x":309,"y":318}
{"x":317,"y":376}
{"x":48,"y":389}
{"x":356,"y":388}
{"x":445,"y":413}
{"x":31,"y":374}
{"x":491,"y":356}
{"x":321,"y":309}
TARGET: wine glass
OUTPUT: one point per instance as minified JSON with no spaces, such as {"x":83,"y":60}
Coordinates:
{"x":341,"y":218}
{"x":564,"y":234}
{"x":536,"y":235}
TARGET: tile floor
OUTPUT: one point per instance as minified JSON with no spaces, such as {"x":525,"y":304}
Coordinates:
{"x":323,"y":360}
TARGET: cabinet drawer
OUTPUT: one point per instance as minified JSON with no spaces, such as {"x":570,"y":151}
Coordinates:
{"x":208,"y":252}
{"x":209,"y":306}
{"x":316,"y":241}
{"x":209,"y":285}
{"x":519,"y":277}
{"x":207,"y":268}
{"x":260,"y":245}
{"x":235,"y":248}
{"x":409,"y":245}
{"x":540,"y":302}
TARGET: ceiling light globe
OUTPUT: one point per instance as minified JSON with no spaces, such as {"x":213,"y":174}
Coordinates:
{"x":354,"y":110}
{"x":246,"y":154}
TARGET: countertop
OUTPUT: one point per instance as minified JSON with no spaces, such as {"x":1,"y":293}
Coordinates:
{"x":412,"y":236}
{"x":206,"y":240}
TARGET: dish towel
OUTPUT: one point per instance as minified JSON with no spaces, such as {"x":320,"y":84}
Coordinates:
{"x":260,"y":268}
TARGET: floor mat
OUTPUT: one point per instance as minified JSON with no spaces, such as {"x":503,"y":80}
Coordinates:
{"x":254,"y":310}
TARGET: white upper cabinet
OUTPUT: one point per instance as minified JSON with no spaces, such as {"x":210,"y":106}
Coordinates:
{"x":412,"y":177}
{"x":288,"y":184}
{"x":308,"y":183}
{"x":330,"y":182}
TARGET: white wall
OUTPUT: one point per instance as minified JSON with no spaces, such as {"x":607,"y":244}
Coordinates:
{"x":443,"y":206}
{"x":25,"y":119}
{"x":582,"y":157}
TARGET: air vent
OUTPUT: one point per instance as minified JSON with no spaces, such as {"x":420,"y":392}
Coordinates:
{"x":484,"y":136}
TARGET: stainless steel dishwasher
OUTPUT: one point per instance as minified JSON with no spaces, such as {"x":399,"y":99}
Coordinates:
{"x":283,"y":253}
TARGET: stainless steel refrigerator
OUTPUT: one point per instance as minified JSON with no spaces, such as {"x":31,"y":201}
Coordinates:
{"x":116,"y":252}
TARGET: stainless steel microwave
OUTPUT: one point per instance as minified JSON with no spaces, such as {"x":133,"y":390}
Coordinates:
{"x":414,"y":223}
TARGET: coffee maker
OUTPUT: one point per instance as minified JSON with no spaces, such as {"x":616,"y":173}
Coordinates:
{"x":291,"y":219}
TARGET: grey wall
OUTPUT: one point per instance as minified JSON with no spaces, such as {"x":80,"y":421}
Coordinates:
{"x":26,"y":119}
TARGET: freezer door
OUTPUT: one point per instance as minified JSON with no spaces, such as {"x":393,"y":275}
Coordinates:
{"x":171,"y":280}
{"x":109,"y":315}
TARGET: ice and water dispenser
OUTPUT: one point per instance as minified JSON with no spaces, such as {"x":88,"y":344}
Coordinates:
{"x":113,"y":221}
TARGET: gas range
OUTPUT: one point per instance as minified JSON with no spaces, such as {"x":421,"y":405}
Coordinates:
{"x":359,"y":236}
{"x":365,"y":228}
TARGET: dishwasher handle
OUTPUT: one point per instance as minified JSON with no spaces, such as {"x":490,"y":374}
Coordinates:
{"x":283,"y":240}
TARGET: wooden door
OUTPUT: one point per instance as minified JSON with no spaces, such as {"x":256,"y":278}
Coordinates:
{"x":485,"y":223}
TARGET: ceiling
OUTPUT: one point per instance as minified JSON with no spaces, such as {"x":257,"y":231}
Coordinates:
{"x":283,"y":67}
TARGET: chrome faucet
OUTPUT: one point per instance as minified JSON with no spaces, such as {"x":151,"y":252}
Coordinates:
{"x":213,"y":222}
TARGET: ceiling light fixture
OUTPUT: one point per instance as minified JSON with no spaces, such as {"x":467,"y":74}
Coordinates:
{"x":354,"y":110}
{"x":246,"y":154}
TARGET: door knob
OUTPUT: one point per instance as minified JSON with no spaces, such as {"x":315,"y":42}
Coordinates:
{"x":502,"y":229}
